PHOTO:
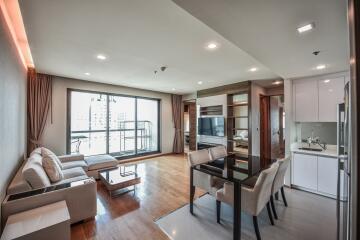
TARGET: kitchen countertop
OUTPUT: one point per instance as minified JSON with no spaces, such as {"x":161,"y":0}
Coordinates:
{"x":331,"y":150}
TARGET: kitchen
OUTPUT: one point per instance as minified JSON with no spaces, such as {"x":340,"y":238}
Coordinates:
{"x":318,"y":133}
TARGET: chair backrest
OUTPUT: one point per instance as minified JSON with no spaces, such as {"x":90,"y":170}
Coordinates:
{"x":198,"y":157}
{"x":263,"y":186}
{"x":280,"y":175}
{"x":218,"y":152}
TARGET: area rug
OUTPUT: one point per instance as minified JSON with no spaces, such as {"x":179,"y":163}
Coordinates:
{"x":308,"y":216}
{"x":181,"y":225}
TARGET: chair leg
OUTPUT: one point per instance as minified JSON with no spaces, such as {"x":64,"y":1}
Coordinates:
{"x":273,"y":207}
{"x":256,"y":227}
{"x":218,"y":211}
{"x":269,"y":213}
{"x":283,"y":196}
{"x":277,"y":196}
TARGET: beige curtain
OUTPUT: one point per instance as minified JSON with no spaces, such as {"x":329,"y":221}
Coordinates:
{"x":178,"y":145}
{"x":39,"y":101}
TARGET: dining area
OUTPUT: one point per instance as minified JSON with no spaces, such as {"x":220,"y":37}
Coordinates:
{"x":246,"y":184}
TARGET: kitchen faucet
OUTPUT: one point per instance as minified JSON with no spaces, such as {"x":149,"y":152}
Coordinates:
{"x":315,"y":140}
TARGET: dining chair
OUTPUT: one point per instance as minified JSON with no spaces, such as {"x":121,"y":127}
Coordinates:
{"x":253,"y":200}
{"x":278,"y":184}
{"x":218,"y":152}
{"x":202,"y":180}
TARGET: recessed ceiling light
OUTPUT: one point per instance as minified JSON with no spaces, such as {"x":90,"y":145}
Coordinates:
{"x":173,"y":89}
{"x":87,"y":74}
{"x":320,"y":67}
{"x":306,"y":28}
{"x":326,"y":81}
{"x":254,"y":69}
{"x":212,"y":46}
{"x":200,"y":82}
{"x":101,"y":57}
{"x":277,"y":82}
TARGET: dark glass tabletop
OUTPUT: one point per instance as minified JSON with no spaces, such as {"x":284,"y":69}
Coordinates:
{"x":232,"y":168}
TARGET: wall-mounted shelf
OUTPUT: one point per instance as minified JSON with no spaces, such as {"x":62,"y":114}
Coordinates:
{"x":238,"y":120}
{"x":211,"y":110}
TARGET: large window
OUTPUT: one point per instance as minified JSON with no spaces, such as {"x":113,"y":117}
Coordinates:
{"x":102,"y":123}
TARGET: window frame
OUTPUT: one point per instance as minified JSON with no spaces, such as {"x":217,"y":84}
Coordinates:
{"x":107,"y":130}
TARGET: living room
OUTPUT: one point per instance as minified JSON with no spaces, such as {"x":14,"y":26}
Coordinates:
{"x":178,"y":119}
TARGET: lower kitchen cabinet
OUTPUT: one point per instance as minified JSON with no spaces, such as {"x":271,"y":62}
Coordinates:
{"x":315,"y":173}
{"x":327,"y":175}
{"x":305,"y":171}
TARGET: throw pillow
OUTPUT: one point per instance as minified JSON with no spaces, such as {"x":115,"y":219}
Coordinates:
{"x":51,"y":167}
{"x":45,"y":151}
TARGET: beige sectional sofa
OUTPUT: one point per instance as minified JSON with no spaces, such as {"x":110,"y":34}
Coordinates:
{"x":78,"y":186}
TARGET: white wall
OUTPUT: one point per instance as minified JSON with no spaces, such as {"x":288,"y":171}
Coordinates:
{"x":290,"y":128}
{"x":55,"y":133}
{"x":213,"y":101}
{"x":12,"y":108}
{"x":256,"y":91}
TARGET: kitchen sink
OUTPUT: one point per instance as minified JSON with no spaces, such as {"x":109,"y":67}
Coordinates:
{"x":311,"y":149}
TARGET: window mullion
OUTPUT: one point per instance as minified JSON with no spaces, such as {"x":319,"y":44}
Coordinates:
{"x":107,"y":124}
{"x":136,"y":126}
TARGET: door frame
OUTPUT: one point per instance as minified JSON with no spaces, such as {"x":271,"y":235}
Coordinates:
{"x":265,"y":127}
{"x":184,"y":103}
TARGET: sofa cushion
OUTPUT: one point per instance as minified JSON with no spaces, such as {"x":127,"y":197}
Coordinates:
{"x":74,"y":172}
{"x":45,"y":151}
{"x":73,"y":164}
{"x":36,"y":151}
{"x":51,"y":166}
{"x":33,"y":173}
{"x":100,"y":162}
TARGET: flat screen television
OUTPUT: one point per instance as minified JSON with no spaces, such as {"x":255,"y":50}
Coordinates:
{"x":211,"y":126}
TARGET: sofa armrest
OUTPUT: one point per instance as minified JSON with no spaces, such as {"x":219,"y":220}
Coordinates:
{"x":72,"y":157}
{"x":80,"y":199}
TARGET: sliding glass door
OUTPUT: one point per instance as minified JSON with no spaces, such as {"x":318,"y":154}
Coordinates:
{"x":147,"y":125}
{"x":122,"y":126}
{"x":102,"y":123}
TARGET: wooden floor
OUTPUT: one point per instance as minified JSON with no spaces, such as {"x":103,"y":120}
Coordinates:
{"x":164,"y":188}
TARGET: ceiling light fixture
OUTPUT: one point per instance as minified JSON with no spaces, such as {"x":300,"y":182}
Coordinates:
{"x":101,"y":57}
{"x":254,"y":69}
{"x":320,"y":67}
{"x":87,"y":74}
{"x":326,"y":81}
{"x":173,"y":89}
{"x":200,"y":82}
{"x":212,"y":46}
{"x":277,"y":82}
{"x":306,"y":28}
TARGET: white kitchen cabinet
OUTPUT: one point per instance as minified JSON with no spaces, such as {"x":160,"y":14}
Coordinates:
{"x":306,"y":101}
{"x":331,"y":93}
{"x":305,"y":171}
{"x":327,"y":175}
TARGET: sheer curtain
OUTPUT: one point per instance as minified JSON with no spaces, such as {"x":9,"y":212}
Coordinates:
{"x":39,"y":101}
{"x":178,"y":145}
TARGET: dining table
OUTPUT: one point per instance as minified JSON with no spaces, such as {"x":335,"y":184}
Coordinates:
{"x":234,"y":169}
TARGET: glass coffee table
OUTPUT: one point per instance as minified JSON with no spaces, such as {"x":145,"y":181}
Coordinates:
{"x":120,"y":180}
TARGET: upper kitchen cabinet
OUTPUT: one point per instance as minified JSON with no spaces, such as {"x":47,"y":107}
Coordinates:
{"x":331,"y":93}
{"x":306,"y":101}
{"x":316,"y":99}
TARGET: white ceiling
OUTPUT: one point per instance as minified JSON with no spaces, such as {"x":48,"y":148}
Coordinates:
{"x":138,"y":37}
{"x":266,"y":29}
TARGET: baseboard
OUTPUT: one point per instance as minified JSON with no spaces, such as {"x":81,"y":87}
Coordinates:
{"x":136,"y":159}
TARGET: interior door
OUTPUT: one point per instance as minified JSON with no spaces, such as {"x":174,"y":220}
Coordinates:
{"x":276,"y":127}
